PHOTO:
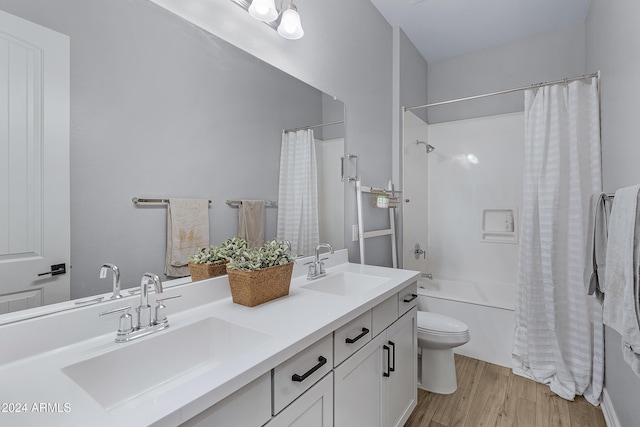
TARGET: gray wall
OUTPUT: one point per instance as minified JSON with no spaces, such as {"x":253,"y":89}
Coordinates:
{"x":159,"y":108}
{"x":332,"y":111}
{"x":612,"y":34}
{"x":346,"y":52}
{"x":546,"y":57}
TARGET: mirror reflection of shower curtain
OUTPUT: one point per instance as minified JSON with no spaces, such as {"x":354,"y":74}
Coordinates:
{"x":558,"y":338}
{"x":298,"y":192}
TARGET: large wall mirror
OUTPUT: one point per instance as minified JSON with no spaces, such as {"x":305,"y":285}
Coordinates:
{"x":161,"y":109}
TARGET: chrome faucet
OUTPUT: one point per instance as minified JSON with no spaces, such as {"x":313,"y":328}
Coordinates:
{"x":144,"y":309}
{"x":116,"y":278}
{"x":145,"y":324}
{"x":316,"y":268}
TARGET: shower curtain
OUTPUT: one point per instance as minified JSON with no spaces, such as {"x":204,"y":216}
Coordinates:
{"x":558,"y":337}
{"x":298,"y":192}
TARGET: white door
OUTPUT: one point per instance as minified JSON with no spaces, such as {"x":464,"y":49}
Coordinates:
{"x":34,"y":164}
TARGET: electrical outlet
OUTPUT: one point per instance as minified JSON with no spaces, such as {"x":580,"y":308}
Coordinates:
{"x":354,"y":233}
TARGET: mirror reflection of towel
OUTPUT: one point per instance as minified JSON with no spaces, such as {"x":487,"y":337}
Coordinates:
{"x":251,"y":222}
{"x":187,"y":232}
{"x":599,"y":214}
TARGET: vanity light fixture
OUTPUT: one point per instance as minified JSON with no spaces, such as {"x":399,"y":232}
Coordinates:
{"x":290,"y":26}
{"x":286,"y":21}
{"x":263,"y":10}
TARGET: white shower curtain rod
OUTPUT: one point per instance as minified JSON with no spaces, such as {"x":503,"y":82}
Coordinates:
{"x":314,"y":126}
{"x":518,"y":89}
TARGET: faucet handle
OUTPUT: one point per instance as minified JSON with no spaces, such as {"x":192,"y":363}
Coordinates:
{"x":117,"y":310}
{"x":126,"y":321}
{"x":161,"y":316}
{"x":161,"y":300}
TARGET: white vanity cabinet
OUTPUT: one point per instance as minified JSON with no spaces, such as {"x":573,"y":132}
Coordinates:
{"x":400,"y":388}
{"x":299,"y":373}
{"x":358,"y":387}
{"x":249,"y":406}
{"x":377,"y":385}
{"x":362,"y":374}
{"x":313,"y":409}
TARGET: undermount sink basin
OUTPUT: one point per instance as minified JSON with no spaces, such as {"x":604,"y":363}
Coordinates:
{"x":126,"y":372}
{"x":346,"y":284}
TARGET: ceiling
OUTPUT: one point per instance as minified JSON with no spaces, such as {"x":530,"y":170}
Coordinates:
{"x":444,"y":28}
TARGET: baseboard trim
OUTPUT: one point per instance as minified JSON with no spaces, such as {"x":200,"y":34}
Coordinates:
{"x":608,"y":411}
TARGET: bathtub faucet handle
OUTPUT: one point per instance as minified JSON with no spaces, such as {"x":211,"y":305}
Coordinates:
{"x":418,"y":251}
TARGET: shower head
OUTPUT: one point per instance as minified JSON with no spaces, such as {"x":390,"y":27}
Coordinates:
{"x":429,"y":147}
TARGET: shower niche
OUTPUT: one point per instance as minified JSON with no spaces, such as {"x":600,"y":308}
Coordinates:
{"x":499,"y":226}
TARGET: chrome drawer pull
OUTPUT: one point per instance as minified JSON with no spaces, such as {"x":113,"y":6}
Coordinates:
{"x":298,"y":378}
{"x":365,"y":331}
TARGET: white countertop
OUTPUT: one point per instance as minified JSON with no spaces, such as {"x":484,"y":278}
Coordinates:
{"x":293,"y":322}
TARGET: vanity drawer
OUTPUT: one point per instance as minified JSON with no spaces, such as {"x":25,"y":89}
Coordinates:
{"x":351,"y":337}
{"x":407,"y":298}
{"x":296,"y":375}
{"x":384,"y":314}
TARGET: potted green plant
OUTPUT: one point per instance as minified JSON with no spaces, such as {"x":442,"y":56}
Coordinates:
{"x":212,"y":261}
{"x":261,"y":274}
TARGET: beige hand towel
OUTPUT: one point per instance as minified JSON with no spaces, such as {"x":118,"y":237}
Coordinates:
{"x":187,"y":231}
{"x":251,"y":221}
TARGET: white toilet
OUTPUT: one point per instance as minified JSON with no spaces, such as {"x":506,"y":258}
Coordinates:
{"x":437,"y":336}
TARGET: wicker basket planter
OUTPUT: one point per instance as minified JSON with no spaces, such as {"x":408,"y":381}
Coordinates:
{"x":206,"y":271}
{"x":251,"y":288}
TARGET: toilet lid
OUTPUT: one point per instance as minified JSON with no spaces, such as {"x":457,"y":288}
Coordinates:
{"x":439,"y":322}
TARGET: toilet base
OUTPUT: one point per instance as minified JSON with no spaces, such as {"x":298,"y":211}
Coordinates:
{"x":438,"y":373}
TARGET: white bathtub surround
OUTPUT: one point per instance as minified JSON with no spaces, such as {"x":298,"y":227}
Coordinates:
{"x":298,"y":192}
{"x":486,"y":307}
{"x":449,"y":195}
{"x":32,"y":370}
{"x":559,"y":332}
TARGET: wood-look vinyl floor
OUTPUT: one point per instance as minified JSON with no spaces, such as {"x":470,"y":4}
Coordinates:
{"x":491,"y":395}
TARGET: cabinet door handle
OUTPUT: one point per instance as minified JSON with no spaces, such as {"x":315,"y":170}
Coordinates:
{"x":393,"y":367}
{"x":413,"y":296}
{"x":365,"y":331}
{"x":300,"y":378}
{"x":388,"y":373}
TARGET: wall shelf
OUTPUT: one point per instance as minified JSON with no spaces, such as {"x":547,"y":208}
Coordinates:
{"x":499,"y":226}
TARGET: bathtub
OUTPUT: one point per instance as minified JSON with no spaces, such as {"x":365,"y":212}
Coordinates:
{"x":486,"y":307}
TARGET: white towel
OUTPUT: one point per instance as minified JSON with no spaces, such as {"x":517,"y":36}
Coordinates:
{"x":251,"y":222}
{"x":621,"y":276}
{"x":597,"y":244}
{"x":187,"y":232}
